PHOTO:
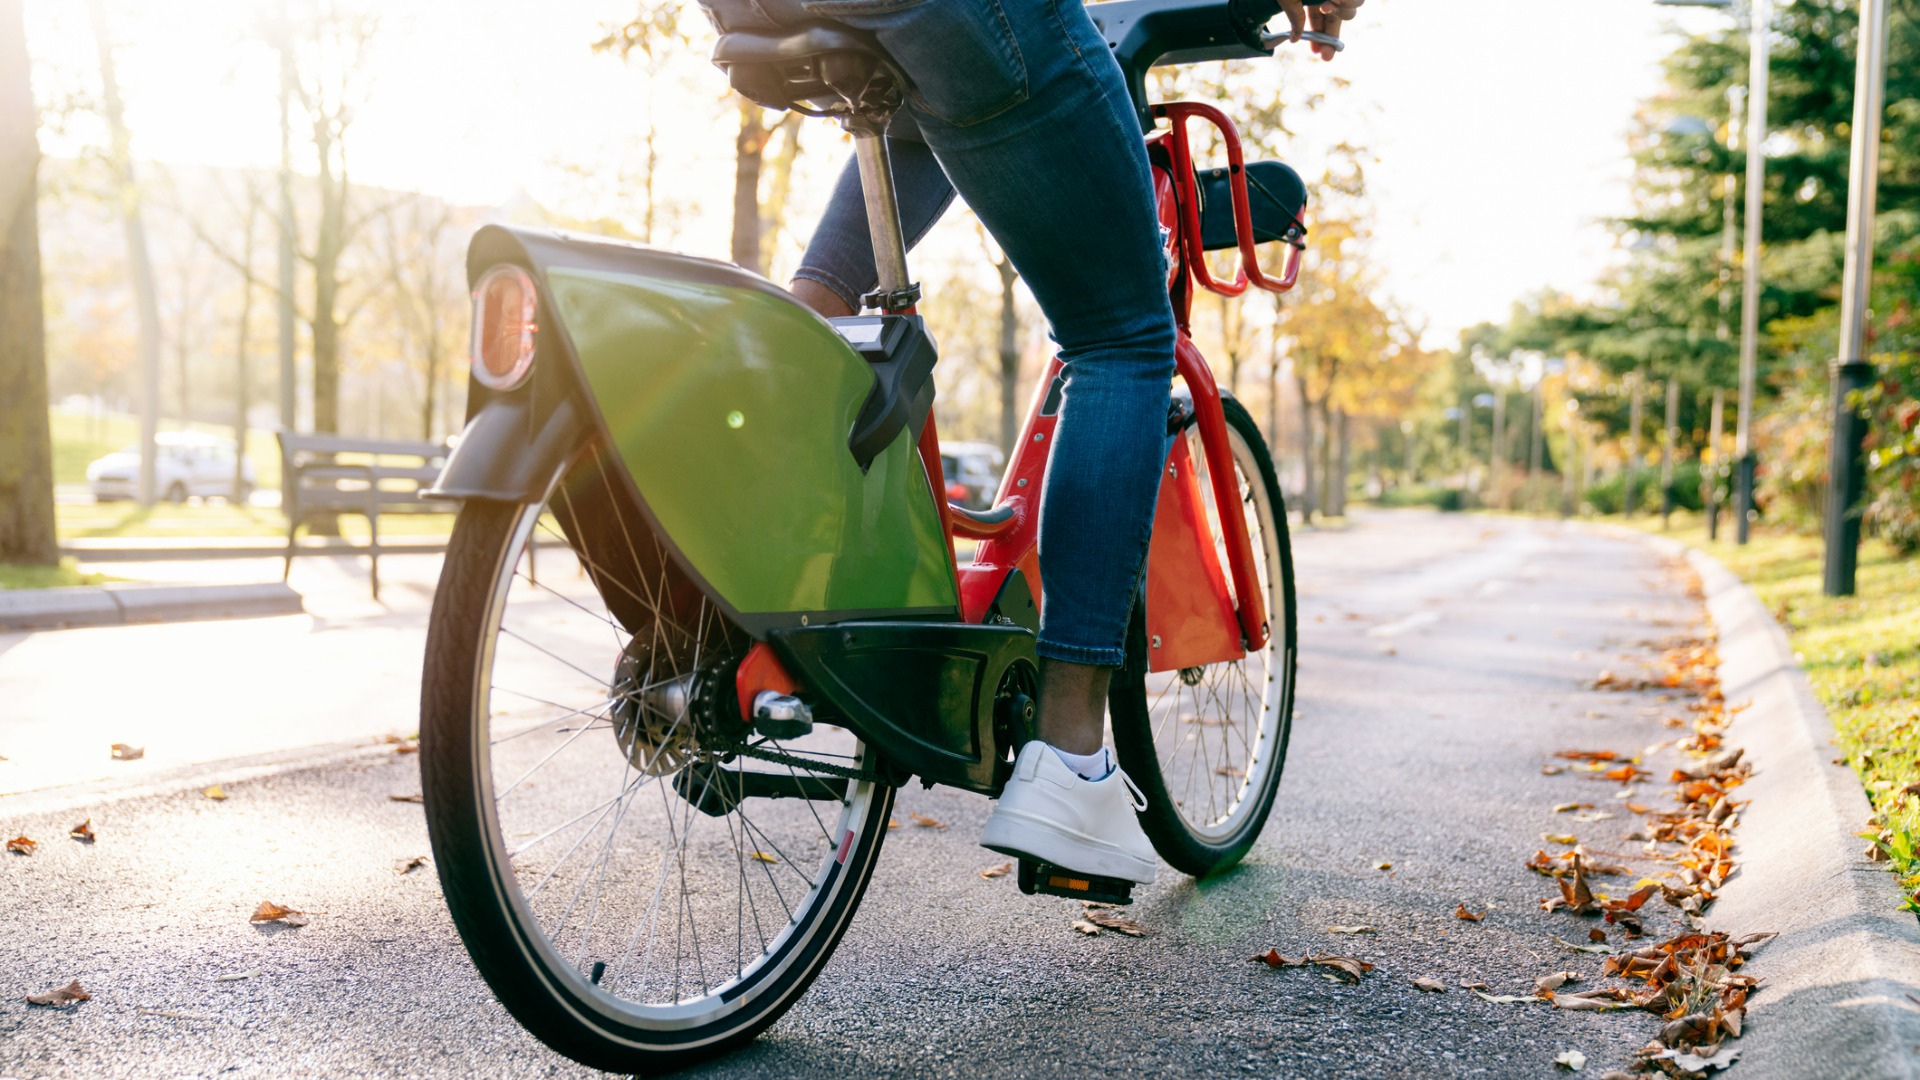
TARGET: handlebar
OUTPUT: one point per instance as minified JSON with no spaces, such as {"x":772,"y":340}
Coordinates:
{"x":1147,"y":33}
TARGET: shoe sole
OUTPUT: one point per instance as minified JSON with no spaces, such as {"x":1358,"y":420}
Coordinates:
{"x":1023,"y":837}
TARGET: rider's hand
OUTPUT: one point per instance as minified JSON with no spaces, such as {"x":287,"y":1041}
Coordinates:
{"x":1325,"y":17}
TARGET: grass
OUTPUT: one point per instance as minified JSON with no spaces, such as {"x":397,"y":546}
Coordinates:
{"x":48,"y":577}
{"x":80,"y":437}
{"x":1862,"y":657}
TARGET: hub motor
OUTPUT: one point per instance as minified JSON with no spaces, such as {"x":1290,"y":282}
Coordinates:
{"x":665,"y":721}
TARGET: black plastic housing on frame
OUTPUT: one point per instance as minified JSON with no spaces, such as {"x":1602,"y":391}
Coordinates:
{"x":1149,"y":33}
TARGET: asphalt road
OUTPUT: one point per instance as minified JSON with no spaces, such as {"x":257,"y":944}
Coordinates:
{"x":1445,"y":658}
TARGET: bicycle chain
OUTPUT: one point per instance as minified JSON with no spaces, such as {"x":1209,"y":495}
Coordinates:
{"x":781,"y":757}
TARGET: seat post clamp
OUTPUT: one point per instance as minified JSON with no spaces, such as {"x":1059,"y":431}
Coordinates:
{"x":894,"y":301}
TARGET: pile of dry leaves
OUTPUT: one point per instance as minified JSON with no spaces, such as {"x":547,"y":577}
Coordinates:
{"x":1692,"y":979}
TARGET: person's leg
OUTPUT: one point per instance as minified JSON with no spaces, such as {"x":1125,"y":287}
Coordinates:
{"x":1058,"y":173}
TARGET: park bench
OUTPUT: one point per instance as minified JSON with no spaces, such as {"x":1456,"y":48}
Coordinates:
{"x":330,"y":475}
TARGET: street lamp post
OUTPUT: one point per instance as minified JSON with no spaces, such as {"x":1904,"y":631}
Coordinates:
{"x":1851,"y":369}
{"x":1758,"y":21}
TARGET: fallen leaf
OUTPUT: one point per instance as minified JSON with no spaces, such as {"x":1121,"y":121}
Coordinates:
{"x":1001,"y":870}
{"x":124,"y":752}
{"x":1588,"y":755}
{"x":1565,"y":807}
{"x":1507,"y":999}
{"x":216,"y":792}
{"x":1434,"y":985}
{"x":1113,"y":920}
{"x":1383,"y":866}
{"x":22,"y":845}
{"x":83,"y":832}
{"x":1460,"y":912}
{"x":405,"y":798}
{"x":1696,"y":1063}
{"x":65,"y":995}
{"x":268,"y":911}
{"x":1362,"y":929}
{"x":238,"y":976}
{"x":892,"y":824}
{"x":761,"y":856}
{"x":407,"y":748}
{"x":409,"y":865}
{"x":1231,"y":772}
{"x":1552,"y":770}
{"x":1560,"y":838}
{"x":1596,"y":934}
{"x":1474,"y":986}
{"x":1086,"y":927}
{"x":1571,"y":1060}
{"x":1554,"y":981}
{"x":926,"y":822}
{"x":1348,"y":968}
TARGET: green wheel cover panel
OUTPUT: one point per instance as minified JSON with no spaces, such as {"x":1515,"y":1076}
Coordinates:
{"x":731,"y":409}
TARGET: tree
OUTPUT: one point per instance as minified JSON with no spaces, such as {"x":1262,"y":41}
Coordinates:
{"x":26,"y":450}
{"x":425,"y":294}
{"x":329,"y":47}
{"x":662,"y":27}
{"x":146,"y":301}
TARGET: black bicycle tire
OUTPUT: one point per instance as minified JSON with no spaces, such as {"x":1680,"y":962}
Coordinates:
{"x":1131,"y":717}
{"x":512,"y":968}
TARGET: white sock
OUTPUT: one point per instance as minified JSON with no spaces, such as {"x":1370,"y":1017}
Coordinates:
{"x":1095,"y":766}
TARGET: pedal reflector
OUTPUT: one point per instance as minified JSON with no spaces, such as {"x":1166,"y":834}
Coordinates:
{"x":1049,"y":880}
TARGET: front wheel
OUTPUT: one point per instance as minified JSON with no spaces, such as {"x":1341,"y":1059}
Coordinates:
{"x":1206,"y":744}
{"x":609,"y":842}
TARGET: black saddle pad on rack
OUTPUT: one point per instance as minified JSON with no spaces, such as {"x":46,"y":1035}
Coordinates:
{"x":1275,"y":197}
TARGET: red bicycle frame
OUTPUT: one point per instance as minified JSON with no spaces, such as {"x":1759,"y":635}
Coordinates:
{"x":1189,"y":608}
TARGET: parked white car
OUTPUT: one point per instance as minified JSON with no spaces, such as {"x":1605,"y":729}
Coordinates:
{"x":189,"y":463}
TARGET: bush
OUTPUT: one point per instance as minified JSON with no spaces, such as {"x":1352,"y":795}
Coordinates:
{"x":1440,"y":498}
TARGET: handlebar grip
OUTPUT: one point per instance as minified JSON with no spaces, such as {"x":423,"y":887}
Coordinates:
{"x":1274,"y":40}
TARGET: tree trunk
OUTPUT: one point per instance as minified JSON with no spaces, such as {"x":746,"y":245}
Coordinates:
{"x":749,"y":146}
{"x":1325,"y":499}
{"x":1009,"y":355}
{"x":146,"y":302}
{"x":1337,"y":498}
{"x":1273,"y":405}
{"x":328,"y":244}
{"x":26,"y":449}
{"x":1307,"y":501}
{"x":773,"y":212}
{"x":240,"y":387}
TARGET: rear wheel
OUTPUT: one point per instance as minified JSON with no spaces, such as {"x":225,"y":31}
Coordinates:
{"x":623,"y":892}
{"x":1206,"y":744}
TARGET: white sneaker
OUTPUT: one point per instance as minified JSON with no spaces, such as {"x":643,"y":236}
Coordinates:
{"x":1051,"y":814}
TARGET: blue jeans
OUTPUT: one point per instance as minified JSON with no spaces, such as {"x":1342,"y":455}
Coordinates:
{"x":1020,"y":107}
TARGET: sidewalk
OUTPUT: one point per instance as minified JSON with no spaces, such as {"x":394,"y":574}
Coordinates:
{"x":189,"y":693}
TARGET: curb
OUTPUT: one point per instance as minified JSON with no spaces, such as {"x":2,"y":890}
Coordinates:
{"x":121,"y":551}
{"x":126,"y":605}
{"x":1841,"y":993}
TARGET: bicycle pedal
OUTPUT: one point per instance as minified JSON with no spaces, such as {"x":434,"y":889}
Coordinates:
{"x":1050,"y":880}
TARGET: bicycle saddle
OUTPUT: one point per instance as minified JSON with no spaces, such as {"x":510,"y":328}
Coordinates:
{"x":819,"y":68}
